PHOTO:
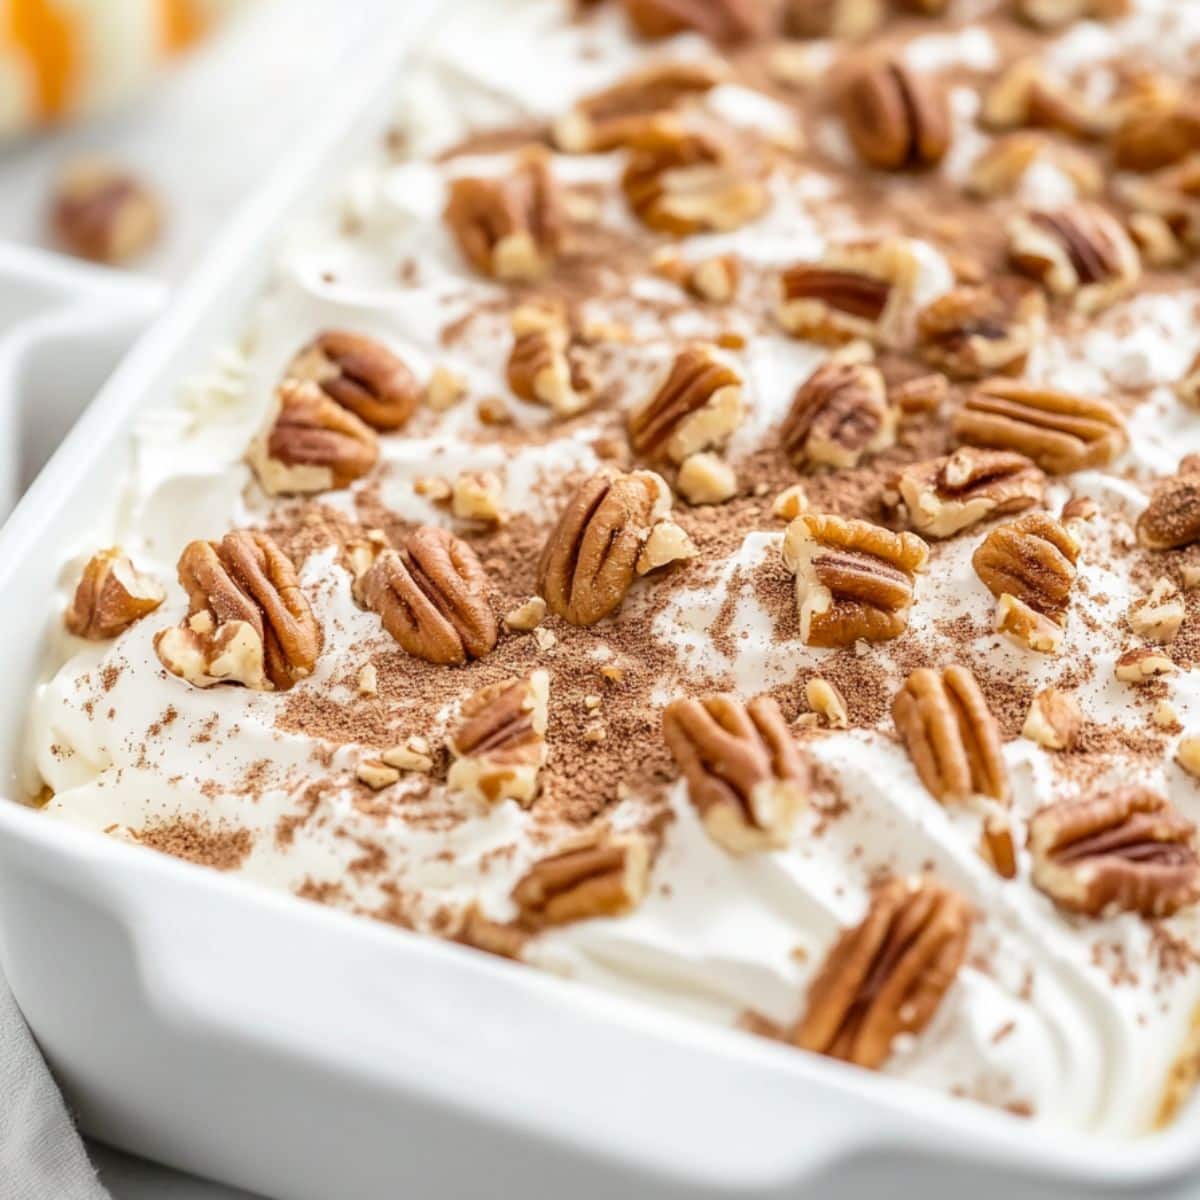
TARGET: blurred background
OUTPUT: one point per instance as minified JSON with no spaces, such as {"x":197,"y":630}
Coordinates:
{"x":190,"y":102}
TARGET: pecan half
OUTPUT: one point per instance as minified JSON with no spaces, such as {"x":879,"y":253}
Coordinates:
{"x":546,"y":365}
{"x":853,"y":579}
{"x":1080,"y":251}
{"x":591,"y":556}
{"x":1172,"y":518}
{"x":682,"y":180}
{"x":944,"y":496}
{"x":1058,"y":431}
{"x":951,"y":735}
{"x":605,"y":875}
{"x":432,"y":597}
{"x":745,"y":775}
{"x":1029,"y":566}
{"x":1126,"y":850}
{"x":695,"y":405}
{"x":311,"y":443}
{"x":839,"y":414}
{"x":111,"y":595}
{"x":1159,"y":126}
{"x":857,"y":291}
{"x":616,"y":116}
{"x":248,"y":621}
{"x":726,"y":21}
{"x":978,"y":330}
{"x":510,"y":228}
{"x":102,"y":212}
{"x":886,"y":976}
{"x":499,"y":746}
{"x":897,"y":118}
{"x":361,"y":375}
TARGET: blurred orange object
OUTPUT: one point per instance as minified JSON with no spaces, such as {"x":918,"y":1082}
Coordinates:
{"x":61,"y":59}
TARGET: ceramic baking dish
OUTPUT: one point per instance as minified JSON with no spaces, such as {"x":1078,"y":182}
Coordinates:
{"x":309,"y":1055}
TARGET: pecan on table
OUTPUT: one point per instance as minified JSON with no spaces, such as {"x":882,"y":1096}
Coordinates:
{"x":839,"y":414}
{"x":745,"y":775}
{"x":616,"y":116}
{"x":594,"y":552}
{"x":886,"y":976}
{"x":1080,"y":251}
{"x":311,"y":443}
{"x":1126,"y":850}
{"x":944,"y":496}
{"x":361,"y":375}
{"x":896,"y":117}
{"x":951,"y":735}
{"x":1029,"y":566}
{"x":978,"y":330}
{"x":684,"y":179}
{"x":694,"y":405}
{"x":858,"y":290}
{"x":248,"y":621}
{"x":605,"y":874}
{"x":432,"y":597}
{"x":112,"y":594}
{"x":510,"y":228}
{"x":1061,"y":432}
{"x":853,"y":579}
{"x":499,"y":745}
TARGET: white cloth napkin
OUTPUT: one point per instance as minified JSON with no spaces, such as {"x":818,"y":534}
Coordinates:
{"x":41,"y":1155}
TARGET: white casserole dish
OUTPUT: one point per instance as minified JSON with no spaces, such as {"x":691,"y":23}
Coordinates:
{"x":294,"y":1051}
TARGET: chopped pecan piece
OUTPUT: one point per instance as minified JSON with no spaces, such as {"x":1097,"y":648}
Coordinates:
{"x":605,"y":875}
{"x":695,"y":405}
{"x":1001,"y":169}
{"x":102,"y":212}
{"x":951,"y":735}
{"x":1143,"y":665}
{"x":1027,"y":94}
{"x":886,"y":976}
{"x":248,"y":621}
{"x":896,"y":117}
{"x":839,"y":414}
{"x":842,"y":19}
{"x":947,"y":495}
{"x":978,"y":330}
{"x":857,"y":291}
{"x":1058,"y":431}
{"x":432,"y":597}
{"x":509,"y":228}
{"x":311,"y":443}
{"x":998,"y":846}
{"x":682,"y":180}
{"x":1054,"y":720}
{"x":1165,"y":211}
{"x":853,"y":579}
{"x":111,"y":595}
{"x":1158,"y":616}
{"x":706,"y":479}
{"x":1159,"y":126}
{"x":726,"y":21}
{"x":1080,"y":251}
{"x":545,"y":365}
{"x":499,"y":746}
{"x":1029,"y":566}
{"x":1126,"y":850}
{"x":1188,"y":388}
{"x":591,"y":556}
{"x":361,"y":375}
{"x":1172,"y":518}
{"x":745,"y":775}
{"x":617,"y":116}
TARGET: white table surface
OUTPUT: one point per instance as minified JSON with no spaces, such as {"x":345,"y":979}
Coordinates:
{"x":203,"y":137}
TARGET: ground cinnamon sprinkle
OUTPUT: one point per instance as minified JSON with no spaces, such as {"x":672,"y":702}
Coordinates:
{"x":199,"y":841}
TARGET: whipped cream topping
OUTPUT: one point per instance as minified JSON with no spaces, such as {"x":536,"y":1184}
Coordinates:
{"x":1071,"y":1021}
